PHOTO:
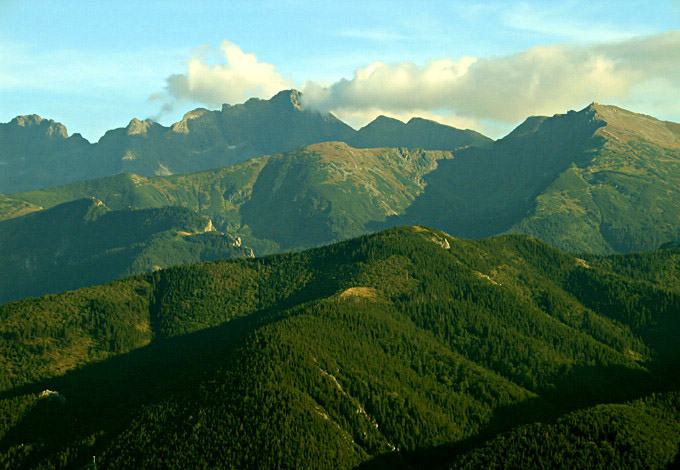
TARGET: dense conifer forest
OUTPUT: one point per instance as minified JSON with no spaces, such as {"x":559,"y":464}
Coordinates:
{"x":403,"y":349}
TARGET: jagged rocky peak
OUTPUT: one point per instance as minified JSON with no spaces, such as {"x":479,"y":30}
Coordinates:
{"x":137,"y":127}
{"x":52,"y":128}
{"x":183,"y":125}
{"x":288,"y":98}
{"x":27,"y":120}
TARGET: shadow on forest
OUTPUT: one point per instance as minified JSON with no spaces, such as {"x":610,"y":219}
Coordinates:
{"x":101,"y":397}
{"x":585,"y":386}
{"x":452,"y":203}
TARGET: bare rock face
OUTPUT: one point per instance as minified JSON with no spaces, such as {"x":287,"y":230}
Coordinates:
{"x":47,"y":127}
{"x":137,"y":127}
{"x":52,"y":395}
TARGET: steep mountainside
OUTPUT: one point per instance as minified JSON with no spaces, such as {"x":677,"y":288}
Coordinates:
{"x":84,"y":243}
{"x":37,"y":153}
{"x":599,"y":180}
{"x":314,"y":195}
{"x":209,"y":139}
{"x":406,"y":348}
{"x":626,"y":198}
{"x":602,"y":179}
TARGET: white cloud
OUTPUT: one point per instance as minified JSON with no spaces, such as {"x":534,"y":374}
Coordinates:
{"x":480,"y":93}
{"x":241,"y":76}
{"x":558,"y":19}
{"x":539,"y":80}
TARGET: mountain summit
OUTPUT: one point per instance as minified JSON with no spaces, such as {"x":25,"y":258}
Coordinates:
{"x":602,"y":179}
{"x":32,"y":157}
{"x":416,"y":133}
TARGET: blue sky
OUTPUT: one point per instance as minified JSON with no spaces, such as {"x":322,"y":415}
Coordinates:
{"x":94,"y":65}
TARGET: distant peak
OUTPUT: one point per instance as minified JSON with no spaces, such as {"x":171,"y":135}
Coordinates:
{"x":607,"y":112}
{"x":183,"y":126}
{"x":138,"y":127}
{"x":605,"y":108}
{"x":383,"y":120}
{"x":53,"y":129}
{"x":28,"y":120}
{"x":288,"y":97}
{"x":425,"y":122}
{"x":624,"y":124}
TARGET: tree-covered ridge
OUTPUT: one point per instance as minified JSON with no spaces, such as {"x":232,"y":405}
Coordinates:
{"x":83,"y":242}
{"x":643,"y":434}
{"x":405,"y":347}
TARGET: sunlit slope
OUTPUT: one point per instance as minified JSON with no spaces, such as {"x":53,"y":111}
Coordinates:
{"x":626,"y":198}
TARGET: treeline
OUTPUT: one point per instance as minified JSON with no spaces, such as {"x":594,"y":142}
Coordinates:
{"x":644,"y":434}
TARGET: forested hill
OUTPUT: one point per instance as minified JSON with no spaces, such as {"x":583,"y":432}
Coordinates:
{"x":405,"y":348}
{"x":83,"y":242}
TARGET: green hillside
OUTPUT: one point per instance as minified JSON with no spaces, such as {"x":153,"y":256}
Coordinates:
{"x":599,"y":180}
{"x":403,"y":348}
{"x":314,"y":195}
{"x":626,"y":198}
{"x":640,"y":435}
{"x":11,"y":208}
{"x":83,"y":243}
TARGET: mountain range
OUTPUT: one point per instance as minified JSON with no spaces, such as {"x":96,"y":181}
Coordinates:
{"x":407,"y":348}
{"x":38,"y":153}
{"x":311,"y":196}
{"x":603,"y":179}
{"x":353,"y":343}
{"x":599,"y":180}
